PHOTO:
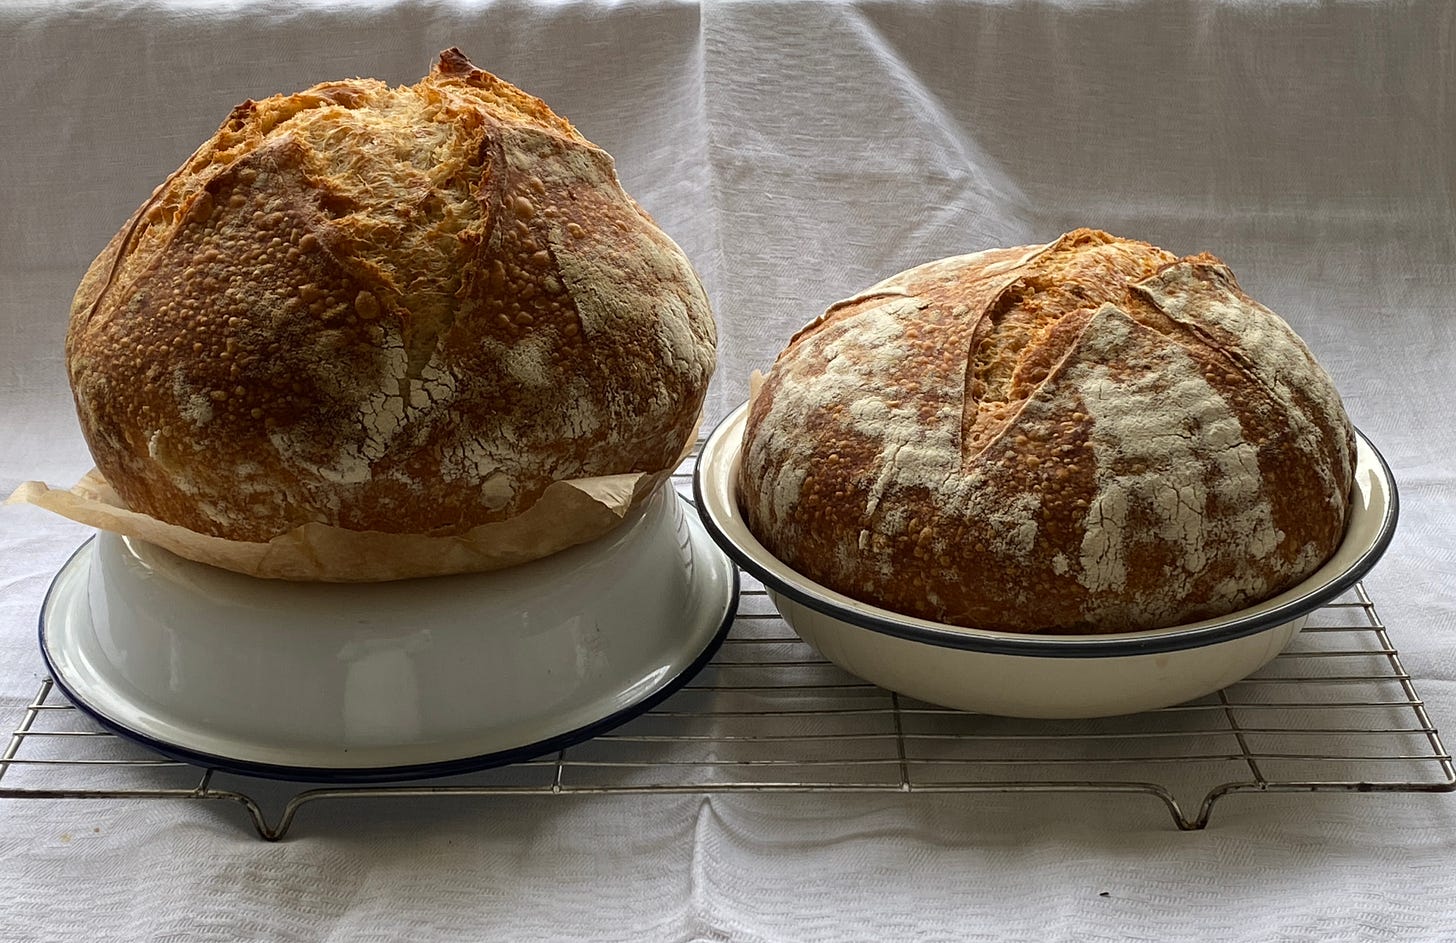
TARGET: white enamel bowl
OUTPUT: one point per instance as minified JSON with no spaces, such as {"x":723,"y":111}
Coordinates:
{"x":1039,"y":675}
{"x":394,"y":680}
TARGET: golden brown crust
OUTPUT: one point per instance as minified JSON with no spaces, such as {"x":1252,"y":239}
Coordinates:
{"x":1087,"y":436}
{"x":403,"y":309}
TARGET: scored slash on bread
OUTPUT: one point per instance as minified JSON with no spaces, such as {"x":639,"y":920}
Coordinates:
{"x":1087,"y":436}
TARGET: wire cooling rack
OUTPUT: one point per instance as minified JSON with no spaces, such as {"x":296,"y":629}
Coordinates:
{"x":1336,"y":712}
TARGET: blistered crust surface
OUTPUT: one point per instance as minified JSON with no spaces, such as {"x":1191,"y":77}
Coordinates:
{"x":400,"y":309}
{"x":1088,"y":436}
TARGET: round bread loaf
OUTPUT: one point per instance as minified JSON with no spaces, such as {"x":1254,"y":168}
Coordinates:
{"x":1087,"y":436}
{"x":405,"y":310}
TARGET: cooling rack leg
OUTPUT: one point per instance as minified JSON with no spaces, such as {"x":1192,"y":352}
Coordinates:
{"x":285,"y":821}
{"x":255,"y":813}
{"x":1176,"y":811}
{"x":1205,"y":809}
{"x":299,"y":800}
{"x":1184,"y":823}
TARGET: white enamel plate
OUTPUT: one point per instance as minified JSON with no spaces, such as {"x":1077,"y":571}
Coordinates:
{"x":348,"y":683}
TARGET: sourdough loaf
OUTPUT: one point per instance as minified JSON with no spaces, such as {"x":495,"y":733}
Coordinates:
{"x":403,"y":309}
{"x":1087,"y":436}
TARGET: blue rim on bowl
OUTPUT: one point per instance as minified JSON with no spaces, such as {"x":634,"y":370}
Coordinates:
{"x":715,"y":494}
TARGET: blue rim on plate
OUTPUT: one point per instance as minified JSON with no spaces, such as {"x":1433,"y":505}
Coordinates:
{"x":1154,"y":641}
{"x":380,"y":774}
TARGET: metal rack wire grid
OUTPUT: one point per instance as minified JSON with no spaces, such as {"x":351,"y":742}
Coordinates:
{"x":1336,"y":712}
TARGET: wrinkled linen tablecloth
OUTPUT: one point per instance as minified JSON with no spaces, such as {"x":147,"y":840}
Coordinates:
{"x":798,"y":152}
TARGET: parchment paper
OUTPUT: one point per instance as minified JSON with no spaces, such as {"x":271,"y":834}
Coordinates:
{"x":568,"y":513}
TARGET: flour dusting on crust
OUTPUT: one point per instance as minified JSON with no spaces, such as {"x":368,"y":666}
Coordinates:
{"x":1163,"y":437}
{"x":1088,"y":435}
{"x":408,"y":310}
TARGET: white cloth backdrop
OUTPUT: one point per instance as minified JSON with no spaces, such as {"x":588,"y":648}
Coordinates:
{"x":798,"y":152}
